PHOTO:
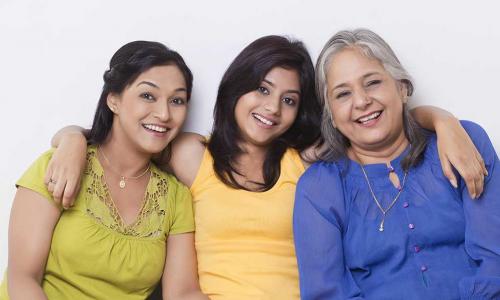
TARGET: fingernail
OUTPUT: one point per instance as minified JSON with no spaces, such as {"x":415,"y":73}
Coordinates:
{"x":486,"y":172}
{"x":454,"y":183}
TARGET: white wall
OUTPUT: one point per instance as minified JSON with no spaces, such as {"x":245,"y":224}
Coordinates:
{"x":53,"y":54}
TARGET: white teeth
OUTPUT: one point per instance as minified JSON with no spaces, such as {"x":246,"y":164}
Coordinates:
{"x":263,"y":120}
{"x":155,"y":128}
{"x":370,"y":117}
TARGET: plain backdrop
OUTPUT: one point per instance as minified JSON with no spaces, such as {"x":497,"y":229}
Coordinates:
{"x":53,"y":55}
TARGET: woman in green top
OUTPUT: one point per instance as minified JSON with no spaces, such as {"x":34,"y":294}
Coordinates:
{"x":128,"y":214}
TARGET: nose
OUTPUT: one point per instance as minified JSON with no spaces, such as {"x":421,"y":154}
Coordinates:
{"x":273,"y":105}
{"x":162,"y":111}
{"x":361,"y":99}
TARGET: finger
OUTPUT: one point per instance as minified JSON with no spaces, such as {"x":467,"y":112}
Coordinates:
{"x":50,"y":186}
{"x":48,"y":174}
{"x":481,"y":162}
{"x":471,"y":184}
{"x":59,"y":189}
{"x":448,"y":171}
{"x":479,"y":183}
{"x":69,"y":194}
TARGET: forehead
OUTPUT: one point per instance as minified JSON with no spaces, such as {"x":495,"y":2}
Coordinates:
{"x":351,"y":64}
{"x":284,"y":78}
{"x":168,"y":77}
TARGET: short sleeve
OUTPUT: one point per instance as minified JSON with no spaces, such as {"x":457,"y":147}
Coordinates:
{"x":33,"y":177}
{"x":182,"y":218}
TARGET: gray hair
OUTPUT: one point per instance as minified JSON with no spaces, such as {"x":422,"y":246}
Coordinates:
{"x":373,"y":46}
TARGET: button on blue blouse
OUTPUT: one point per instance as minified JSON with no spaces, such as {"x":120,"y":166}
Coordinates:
{"x":437,"y":242}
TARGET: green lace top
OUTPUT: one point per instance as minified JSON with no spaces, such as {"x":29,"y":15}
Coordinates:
{"x":93,"y":254}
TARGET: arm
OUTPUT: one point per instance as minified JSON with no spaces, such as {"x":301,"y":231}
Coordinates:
{"x":187,"y":154}
{"x":67,"y":164}
{"x":180,"y":275}
{"x":454,"y":146}
{"x":32,"y":222}
{"x":318,"y":239}
{"x":482,"y":220}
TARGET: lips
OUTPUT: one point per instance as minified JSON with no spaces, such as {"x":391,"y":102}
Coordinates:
{"x":155,"y":128}
{"x":369,"y":117}
{"x":264,"y":120}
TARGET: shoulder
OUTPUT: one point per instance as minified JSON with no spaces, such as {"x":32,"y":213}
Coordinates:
{"x":321,"y":180}
{"x":322,"y":187}
{"x":187,"y":154}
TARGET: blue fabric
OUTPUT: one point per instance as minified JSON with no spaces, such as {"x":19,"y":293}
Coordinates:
{"x":452,"y":252}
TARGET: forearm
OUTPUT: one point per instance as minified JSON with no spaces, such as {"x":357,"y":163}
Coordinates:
{"x":432,"y":118}
{"x":72,"y":132}
{"x":24,"y":286}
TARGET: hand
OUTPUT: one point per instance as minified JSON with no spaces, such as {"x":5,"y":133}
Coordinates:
{"x":456,"y":148}
{"x":65,"y":169}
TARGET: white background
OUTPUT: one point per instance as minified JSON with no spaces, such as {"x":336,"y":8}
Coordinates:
{"x":53,"y":55}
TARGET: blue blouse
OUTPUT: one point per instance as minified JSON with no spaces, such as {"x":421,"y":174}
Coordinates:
{"x":437,"y":243}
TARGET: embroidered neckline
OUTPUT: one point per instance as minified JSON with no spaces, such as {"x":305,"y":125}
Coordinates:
{"x":100,"y":206}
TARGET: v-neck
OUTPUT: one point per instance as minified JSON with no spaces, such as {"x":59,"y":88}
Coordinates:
{"x":113,"y":209}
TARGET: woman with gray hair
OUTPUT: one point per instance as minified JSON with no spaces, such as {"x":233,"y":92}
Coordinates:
{"x":377,"y":218}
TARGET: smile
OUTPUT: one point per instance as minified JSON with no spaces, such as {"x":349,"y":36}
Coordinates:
{"x":263,"y":120}
{"x":155,"y":128}
{"x":365,"y":119}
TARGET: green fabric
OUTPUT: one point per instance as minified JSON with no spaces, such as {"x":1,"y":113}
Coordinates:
{"x":93,"y":255}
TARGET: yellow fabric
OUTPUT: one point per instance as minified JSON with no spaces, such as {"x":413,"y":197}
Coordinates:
{"x":244,"y":240}
{"x":93,"y":255}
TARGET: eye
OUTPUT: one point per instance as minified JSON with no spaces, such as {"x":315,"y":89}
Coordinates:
{"x":343,"y":94}
{"x":289,"y":101}
{"x":178,"y":101}
{"x":147,"y":96}
{"x":263,"y":90}
{"x":373,"y":82}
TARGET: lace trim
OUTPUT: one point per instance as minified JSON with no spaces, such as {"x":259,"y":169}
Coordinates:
{"x":100,"y":206}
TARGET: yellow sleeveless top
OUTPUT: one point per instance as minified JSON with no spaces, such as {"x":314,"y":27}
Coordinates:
{"x":93,"y":254}
{"x":244,"y":240}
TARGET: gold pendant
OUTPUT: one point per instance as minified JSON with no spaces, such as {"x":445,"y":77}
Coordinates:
{"x":122,"y":182}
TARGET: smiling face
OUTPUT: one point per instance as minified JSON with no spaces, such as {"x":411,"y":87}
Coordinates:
{"x":365,"y":100}
{"x":151,"y":110}
{"x":266,"y":113}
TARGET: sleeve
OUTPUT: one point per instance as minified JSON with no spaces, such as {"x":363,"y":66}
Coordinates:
{"x":182,"y":219}
{"x":318,"y":211}
{"x":33,"y":177}
{"x":482,"y":217}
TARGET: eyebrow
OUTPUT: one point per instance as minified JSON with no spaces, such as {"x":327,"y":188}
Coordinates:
{"x":287,"y":91}
{"x":157,"y":87}
{"x":345,"y":84}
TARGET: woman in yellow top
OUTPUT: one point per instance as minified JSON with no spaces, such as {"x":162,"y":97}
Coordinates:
{"x":112,"y":244}
{"x":243,"y":177}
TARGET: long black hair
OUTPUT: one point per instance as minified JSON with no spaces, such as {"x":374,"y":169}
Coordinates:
{"x":125,"y":66}
{"x":245,"y":74}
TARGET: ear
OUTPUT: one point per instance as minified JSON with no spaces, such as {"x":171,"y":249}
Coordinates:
{"x":113,"y":101}
{"x":403,"y":89}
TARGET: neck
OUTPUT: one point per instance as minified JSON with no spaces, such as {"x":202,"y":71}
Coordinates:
{"x":122,"y":156}
{"x":253,"y":153}
{"x":380,"y":154}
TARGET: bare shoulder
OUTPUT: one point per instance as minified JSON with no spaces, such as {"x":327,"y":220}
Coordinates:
{"x":187,"y":154}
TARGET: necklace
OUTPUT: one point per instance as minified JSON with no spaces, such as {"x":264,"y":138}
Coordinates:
{"x":123,"y":179}
{"x":384,"y":211}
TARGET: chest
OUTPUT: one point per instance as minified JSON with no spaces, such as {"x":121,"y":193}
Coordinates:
{"x":427,"y":215}
{"x":223,"y":213}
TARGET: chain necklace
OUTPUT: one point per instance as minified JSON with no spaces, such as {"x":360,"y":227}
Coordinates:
{"x":123,"y":179}
{"x":384,"y":211}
